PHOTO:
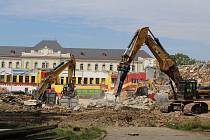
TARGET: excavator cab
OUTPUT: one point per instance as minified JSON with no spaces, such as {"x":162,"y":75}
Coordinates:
{"x":188,"y":89}
{"x":68,"y":90}
{"x":141,"y":91}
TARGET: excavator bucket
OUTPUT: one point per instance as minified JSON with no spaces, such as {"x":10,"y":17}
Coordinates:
{"x":122,"y":73}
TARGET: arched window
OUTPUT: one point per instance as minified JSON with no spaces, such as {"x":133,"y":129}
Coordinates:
{"x":43,"y":65}
{"x":27,"y":65}
{"x":10,"y":64}
{"x":81,"y":66}
{"x":3,"y":64}
{"x":89,"y":67}
{"x":17,"y":65}
{"x":96,"y":67}
{"x":47,"y":64}
{"x":103,"y":67}
{"x":35,"y":65}
{"x":111,"y":67}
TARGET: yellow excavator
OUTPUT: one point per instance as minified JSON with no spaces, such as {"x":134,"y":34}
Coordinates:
{"x":50,"y":78}
{"x":186,"y":95}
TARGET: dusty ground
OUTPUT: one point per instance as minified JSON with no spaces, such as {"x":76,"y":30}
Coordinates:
{"x":105,"y":117}
{"x":99,"y":117}
{"x":154,"y":133}
{"x":91,"y":116}
{"x":118,"y":123}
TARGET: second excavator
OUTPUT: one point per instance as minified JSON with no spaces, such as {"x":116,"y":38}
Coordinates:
{"x":50,"y":78}
{"x":185,"y":95}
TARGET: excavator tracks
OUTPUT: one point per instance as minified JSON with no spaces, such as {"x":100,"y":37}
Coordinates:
{"x":188,"y":108}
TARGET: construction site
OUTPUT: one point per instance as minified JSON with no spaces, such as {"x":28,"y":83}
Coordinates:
{"x":174,"y":94}
{"x":89,"y":87}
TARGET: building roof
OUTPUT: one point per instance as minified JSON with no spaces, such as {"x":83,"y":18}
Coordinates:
{"x":79,"y":53}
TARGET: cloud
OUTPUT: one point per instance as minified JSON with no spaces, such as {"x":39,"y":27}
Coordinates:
{"x":188,"y":19}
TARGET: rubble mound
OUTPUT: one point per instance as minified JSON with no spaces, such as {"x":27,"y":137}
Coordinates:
{"x":139,"y":102}
{"x":199,"y":71}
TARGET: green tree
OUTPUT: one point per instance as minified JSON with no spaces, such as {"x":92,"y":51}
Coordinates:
{"x":182,"y":59}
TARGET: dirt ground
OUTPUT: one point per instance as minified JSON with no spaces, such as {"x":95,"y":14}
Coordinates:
{"x":91,"y":116}
{"x":148,"y":124}
{"x":154,"y":133}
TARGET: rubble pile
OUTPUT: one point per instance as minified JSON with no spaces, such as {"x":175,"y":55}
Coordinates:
{"x":15,"y":99}
{"x":200,"y":72}
{"x":3,"y":90}
{"x":140,"y":102}
{"x":122,"y":118}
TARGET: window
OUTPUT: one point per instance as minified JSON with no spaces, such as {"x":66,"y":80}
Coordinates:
{"x":97,"y":80}
{"x":103,"y":67}
{"x":43,"y":65}
{"x":54,"y":65}
{"x":35,"y":65}
{"x":103,"y":80}
{"x":82,"y":53}
{"x":3,"y":64}
{"x":26,"y":79}
{"x":79,"y":80}
{"x":81,"y":66}
{"x":10,"y":64}
{"x":133,"y":68}
{"x":91,"y":80}
{"x":27,"y":65}
{"x":135,"y":80}
{"x":111,"y":67}
{"x":89,"y":67}
{"x":67,"y":80}
{"x":14,"y":79}
{"x":8,"y":78}
{"x":32,"y":79}
{"x":1,"y":78}
{"x":47,"y":65}
{"x":96,"y":67}
{"x":17,"y":65}
{"x":113,"y":81}
{"x":85,"y":80}
{"x":20,"y":79}
{"x":62,"y":80}
{"x":104,"y":54}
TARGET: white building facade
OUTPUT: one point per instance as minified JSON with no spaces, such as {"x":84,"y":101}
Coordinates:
{"x":93,"y":66}
{"x":49,"y":53}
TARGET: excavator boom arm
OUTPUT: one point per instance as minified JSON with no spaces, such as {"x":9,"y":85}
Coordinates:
{"x":128,"y":56}
{"x":166,"y":63}
{"x":51,"y":76}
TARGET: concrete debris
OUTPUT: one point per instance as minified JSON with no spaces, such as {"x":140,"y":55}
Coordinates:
{"x":77,"y":108}
{"x":14,"y":99}
{"x":101,"y":117}
{"x":3,"y":90}
{"x":199,"y":71}
{"x":31,"y":102}
{"x":140,"y":102}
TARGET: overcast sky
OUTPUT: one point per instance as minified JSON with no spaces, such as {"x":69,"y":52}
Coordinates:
{"x":181,"y":25}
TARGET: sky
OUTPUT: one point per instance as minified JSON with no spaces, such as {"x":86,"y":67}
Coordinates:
{"x":182,"y":26}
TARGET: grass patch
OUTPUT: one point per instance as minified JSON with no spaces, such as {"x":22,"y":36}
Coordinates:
{"x":82,"y":134}
{"x":192,"y":124}
{"x":12,"y":125}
